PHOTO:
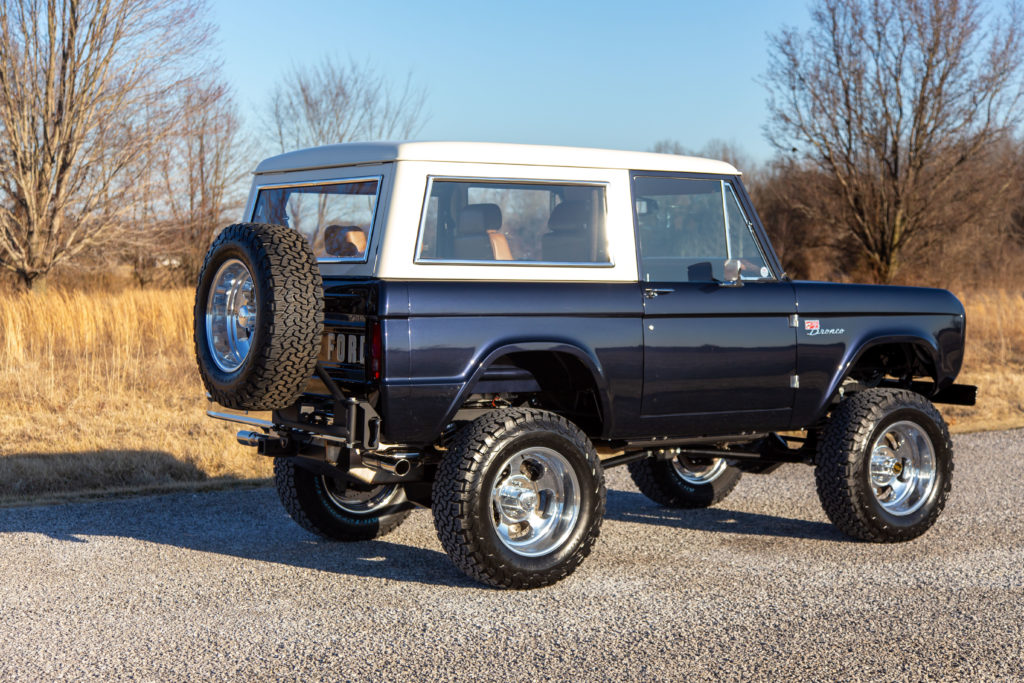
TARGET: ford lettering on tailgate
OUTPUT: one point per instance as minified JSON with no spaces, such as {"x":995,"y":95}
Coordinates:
{"x":342,"y":347}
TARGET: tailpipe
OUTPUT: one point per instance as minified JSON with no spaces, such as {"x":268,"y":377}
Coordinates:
{"x":248,"y":438}
{"x":399,"y":464}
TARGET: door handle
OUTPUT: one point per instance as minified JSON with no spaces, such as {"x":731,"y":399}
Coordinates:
{"x":652,"y":293}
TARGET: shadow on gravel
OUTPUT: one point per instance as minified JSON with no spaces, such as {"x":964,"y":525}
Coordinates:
{"x":628,"y":506}
{"x":27,"y":475}
{"x":244,"y":524}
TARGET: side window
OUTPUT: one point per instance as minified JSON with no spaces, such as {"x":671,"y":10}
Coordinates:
{"x":478,"y":220}
{"x":743,"y":244}
{"x":689,"y":227}
{"x":336,"y":218}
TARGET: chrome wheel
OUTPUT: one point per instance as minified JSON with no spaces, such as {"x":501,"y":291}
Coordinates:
{"x":231,"y":315}
{"x":902,"y":468}
{"x":699,"y":471}
{"x":535,"y":501}
{"x":358,"y":501}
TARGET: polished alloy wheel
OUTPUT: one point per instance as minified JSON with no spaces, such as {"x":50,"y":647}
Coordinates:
{"x":231,"y":315}
{"x":902,"y":468}
{"x":535,"y":501}
{"x":699,"y":471}
{"x":359,"y":500}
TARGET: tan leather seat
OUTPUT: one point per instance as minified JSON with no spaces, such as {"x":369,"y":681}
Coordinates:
{"x":569,"y":239}
{"x":358,"y":238}
{"x":346,"y":241}
{"x":499,"y":245}
{"x":473,"y":233}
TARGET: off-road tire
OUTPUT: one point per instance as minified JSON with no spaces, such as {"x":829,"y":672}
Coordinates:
{"x":289,"y":323}
{"x":461,"y":498}
{"x":659,"y":481}
{"x":843,"y":459}
{"x":304,"y":496}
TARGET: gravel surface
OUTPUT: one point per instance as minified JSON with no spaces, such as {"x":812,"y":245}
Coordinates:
{"x":223,"y":585}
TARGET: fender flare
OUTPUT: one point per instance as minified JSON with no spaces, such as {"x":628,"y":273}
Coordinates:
{"x":855,"y":353}
{"x":587,"y":356}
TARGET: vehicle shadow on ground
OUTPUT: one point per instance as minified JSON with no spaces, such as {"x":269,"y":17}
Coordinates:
{"x":248,"y":524}
{"x":24,"y":476}
{"x":251,"y":525}
{"x":629,"y":506}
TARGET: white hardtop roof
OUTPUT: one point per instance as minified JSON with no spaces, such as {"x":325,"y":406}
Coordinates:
{"x":358,"y":153}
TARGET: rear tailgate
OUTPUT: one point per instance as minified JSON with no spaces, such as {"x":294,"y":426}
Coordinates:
{"x":350,"y":313}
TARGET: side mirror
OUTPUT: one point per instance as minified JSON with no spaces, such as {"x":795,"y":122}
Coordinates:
{"x":731,"y":273}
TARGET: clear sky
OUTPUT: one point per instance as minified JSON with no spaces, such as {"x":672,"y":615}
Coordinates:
{"x":598,"y":74}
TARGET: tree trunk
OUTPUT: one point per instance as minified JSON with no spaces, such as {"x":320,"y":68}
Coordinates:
{"x":35,"y":283}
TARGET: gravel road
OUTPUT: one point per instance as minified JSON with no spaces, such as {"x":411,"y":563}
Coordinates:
{"x":222,"y":585}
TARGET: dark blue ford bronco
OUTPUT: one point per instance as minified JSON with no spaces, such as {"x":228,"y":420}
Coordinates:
{"x":482,"y":329}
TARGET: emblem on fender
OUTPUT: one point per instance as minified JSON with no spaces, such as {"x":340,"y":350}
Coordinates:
{"x":814,"y":329}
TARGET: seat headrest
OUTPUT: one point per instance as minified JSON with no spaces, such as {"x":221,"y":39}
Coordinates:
{"x":574,"y":215}
{"x":478,"y":219}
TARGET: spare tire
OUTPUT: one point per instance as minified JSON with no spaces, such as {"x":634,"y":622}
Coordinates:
{"x":259,"y":316}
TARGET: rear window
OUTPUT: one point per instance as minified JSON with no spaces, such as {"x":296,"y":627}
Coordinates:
{"x":513,"y":222}
{"x":336,"y":218}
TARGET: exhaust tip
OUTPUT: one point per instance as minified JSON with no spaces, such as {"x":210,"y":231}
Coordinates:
{"x":248,"y":438}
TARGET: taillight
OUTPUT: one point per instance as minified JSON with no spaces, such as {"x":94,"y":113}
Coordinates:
{"x":376,"y":360}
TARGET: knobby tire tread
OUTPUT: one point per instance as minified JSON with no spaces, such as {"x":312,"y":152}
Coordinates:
{"x":305,"y":504}
{"x":842,"y":449}
{"x":657,"y":480}
{"x":459,"y":481}
{"x":291,"y":317}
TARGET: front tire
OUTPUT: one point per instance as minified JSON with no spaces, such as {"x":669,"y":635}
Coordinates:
{"x":685,"y":482}
{"x":518,"y":499}
{"x":885,"y":465}
{"x":336,"y":509}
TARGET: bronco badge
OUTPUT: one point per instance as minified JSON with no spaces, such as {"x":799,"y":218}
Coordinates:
{"x":814,"y":328}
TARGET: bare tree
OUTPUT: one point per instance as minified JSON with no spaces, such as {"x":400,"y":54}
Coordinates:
{"x":86,"y":93}
{"x":200,"y":172}
{"x":715,"y":148}
{"x":341,"y":102}
{"x":896,"y":102}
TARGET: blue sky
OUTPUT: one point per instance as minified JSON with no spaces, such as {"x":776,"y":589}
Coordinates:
{"x":598,"y":74}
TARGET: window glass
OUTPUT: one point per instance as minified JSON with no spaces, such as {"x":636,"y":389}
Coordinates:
{"x":742,"y":241}
{"x":689,"y":227}
{"x":335,"y":218}
{"x":518,"y":222}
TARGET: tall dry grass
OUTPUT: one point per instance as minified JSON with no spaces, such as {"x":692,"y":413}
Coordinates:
{"x":100,"y":391}
{"x":994,"y":361}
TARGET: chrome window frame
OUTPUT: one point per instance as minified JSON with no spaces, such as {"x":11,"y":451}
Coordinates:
{"x":333,"y":181}
{"x":610,"y":263}
{"x":749,"y":227}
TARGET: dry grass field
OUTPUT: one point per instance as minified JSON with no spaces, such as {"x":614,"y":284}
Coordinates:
{"x":99,"y":392}
{"x":994,"y":362}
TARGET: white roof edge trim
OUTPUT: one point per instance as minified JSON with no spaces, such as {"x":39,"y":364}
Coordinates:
{"x":361,"y":153}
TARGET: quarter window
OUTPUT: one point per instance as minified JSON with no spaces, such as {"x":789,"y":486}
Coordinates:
{"x":689,"y":227}
{"x":516,"y":222}
{"x":336,"y":218}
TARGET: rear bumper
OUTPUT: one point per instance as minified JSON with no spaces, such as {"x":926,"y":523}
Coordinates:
{"x":957,"y":394}
{"x":351,"y":423}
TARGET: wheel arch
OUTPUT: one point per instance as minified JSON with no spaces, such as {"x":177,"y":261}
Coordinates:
{"x":572,"y":364}
{"x":918,"y":350}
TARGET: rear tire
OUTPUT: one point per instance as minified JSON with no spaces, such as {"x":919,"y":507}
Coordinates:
{"x":258,"y":316}
{"x":885,"y":465}
{"x":339,"y":510}
{"x":518,"y":498}
{"x":684,"y":483}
